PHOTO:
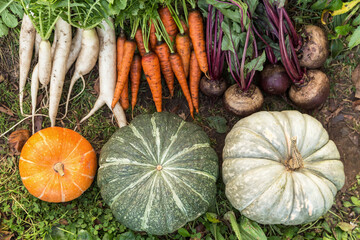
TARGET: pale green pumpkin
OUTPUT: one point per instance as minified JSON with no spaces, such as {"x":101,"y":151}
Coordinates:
{"x":281,"y":168}
{"x":158,"y":173}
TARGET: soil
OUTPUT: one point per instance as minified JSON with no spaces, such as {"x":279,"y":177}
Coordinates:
{"x":347,"y":142}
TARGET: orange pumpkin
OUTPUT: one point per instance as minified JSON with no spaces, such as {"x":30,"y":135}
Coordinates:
{"x":57,"y":164}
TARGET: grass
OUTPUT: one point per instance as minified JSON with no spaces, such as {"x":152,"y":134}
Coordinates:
{"x":30,"y":218}
{"x":88,"y":217}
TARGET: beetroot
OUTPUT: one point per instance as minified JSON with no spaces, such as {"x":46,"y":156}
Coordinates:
{"x":243,"y":103}
{"x":315,"y":49}
{"x":214,"y":85}
{"x":274,"y":79}
{"x":313,"y":93}
{"x":212,"y":88}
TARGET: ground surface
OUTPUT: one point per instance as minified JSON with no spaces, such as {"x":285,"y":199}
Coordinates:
{"x":23,"y":216}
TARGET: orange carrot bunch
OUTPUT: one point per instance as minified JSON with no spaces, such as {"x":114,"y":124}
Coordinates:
{"x":165,"y":45}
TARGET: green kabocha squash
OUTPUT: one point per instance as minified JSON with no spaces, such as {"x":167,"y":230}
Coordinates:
{"x":158,"y":173}
{"x":281,"y":168}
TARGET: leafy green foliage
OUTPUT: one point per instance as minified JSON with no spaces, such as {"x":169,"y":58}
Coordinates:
{"x":344,"y":24}
{"x":218,"y":123}
{"x":251,"y":230}
{"x":44,"y":14}
{"x":354,"y":39}
{"x":86,"y":14}
{"x":238,"y":37}
{"x":10,"y":12}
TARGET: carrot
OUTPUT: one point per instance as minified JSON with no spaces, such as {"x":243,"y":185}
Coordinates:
{"x":152,"y":36}
{"x":124,"y":98}
{"x":140,"y":42}
{"x":163,"y":52}
{"x":120,"y":42}
{"x":196,"y":32}
{"x":195,"y":76}
{"x":184,"y":26}
{"x":129,"y":50}
{"x":151,"y":66}
{"x":183,"y":48}
{"x":178,"y":69}
{"x":169,"y":23}
{"x":135,"y":76}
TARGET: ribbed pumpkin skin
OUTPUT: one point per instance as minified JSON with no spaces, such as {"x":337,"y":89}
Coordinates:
{"x":260,"y":186}
{"x":50,"y":146}
{"x":146,"y":197}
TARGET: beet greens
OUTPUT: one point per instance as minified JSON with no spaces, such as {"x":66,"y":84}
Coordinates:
{"x":280,"y":29}
{"x":214,"y":37}
{"x":238,"y":43}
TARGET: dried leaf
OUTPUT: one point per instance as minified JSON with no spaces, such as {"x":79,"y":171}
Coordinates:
{"x":354,"y":138}
{"x":17,"y":140}
{"x":6,"y":110}
{"x":334,"y":114}
{"x":356,"y":105}
{"x":355,"y":77}
{"x":63,"y":221}
{"x":4,"y":235}
{"x":182,"y":115}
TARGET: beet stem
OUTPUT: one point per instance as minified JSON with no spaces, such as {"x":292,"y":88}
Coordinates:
{"x":228,"y":59}
{"x":215,"y":35}
{"x":284,"y":54}
{"x":237,"y":63}
{"x":252,"y":73}
{"x":242,"y":67}
{"x":208,"y":29}
{"x":295,"y":37}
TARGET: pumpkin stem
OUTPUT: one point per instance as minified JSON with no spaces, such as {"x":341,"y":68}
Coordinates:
{"x":296,"y":161}
{"x":59,"y":168}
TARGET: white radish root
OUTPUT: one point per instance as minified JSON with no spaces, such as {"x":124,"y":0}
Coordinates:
{"x":53,"y":46}
{"x":26,"y":46}
{"x":86,"y":60}
{"x":75,"y":48}
{"x":107,"y":74}
{"x":37,"y":44}
{"x":59,"y":66}
{"x":34,"y":90}
{"x":45,"y":62}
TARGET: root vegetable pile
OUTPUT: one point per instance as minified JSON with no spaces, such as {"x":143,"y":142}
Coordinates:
{"x":170,"y":39}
